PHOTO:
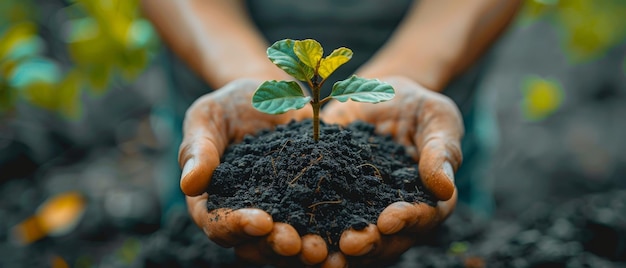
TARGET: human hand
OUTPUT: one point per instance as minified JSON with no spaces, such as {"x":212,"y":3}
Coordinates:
{"x":430,"y":125}
{"x":211,"y":124}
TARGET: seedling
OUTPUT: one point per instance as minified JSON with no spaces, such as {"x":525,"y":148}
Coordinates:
{"x":303,"y":60}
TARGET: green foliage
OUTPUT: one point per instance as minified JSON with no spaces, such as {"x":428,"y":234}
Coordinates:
{"x":541,"y":97}
{"x":108,"y":42}
{"x":362,"y":90}
{"x":282,"y":54}
{"x":277,"y":97}
{"x":303,"y":59}
{"x":587,"y":28}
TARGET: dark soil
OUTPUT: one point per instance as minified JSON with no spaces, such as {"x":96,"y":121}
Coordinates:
{"x":344,"y":180}
{"x":589,"y":231}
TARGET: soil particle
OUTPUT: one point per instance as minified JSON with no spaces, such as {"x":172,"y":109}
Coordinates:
{"x":344,"y":180}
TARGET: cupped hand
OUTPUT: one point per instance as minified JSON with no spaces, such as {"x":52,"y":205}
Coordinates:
{"x":430,"y":126}
{"x":211,"y":124}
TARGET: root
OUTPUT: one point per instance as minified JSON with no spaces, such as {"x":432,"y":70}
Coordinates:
{"x":319,"y":184}
{"x":274,"y":167}
{"x":400,"y":195}
{"x":304,"y":169}
{"x":281,"y":148}
{"x":311,"y":217}
{"x":299,"y":175}
{"x":325,"y":202}
{"x":376,"y":171}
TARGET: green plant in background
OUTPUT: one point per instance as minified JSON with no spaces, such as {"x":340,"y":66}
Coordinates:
{"x":587,"y":27}
{"x":303,"y":60}
{"x":541,"y":97}
{"x":107,"y":42}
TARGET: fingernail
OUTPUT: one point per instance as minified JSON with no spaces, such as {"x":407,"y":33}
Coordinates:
{"x":189,"y":166}
{"x":447,"y":169}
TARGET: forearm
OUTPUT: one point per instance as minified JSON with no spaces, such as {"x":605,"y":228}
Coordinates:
{"x":440,"y":38}
{"x":214,"y":37}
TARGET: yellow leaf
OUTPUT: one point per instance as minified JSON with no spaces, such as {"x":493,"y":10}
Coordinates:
{"x":58,"y":262}
{"x":60,"y":214}
{"x":132,"y":64}
{"x":591,"y":27}
{"x":99,"y":77}
{"x":68,"y":94}
{"x":542,"y":97}
{"x":16,"y":35}
{"x":41,"y":94}
{"x":308,"y":51}
{"x":329,"y":64}
{"x":57,"y":216}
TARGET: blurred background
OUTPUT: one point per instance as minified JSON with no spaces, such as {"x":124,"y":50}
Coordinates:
{"x":85,"y":129}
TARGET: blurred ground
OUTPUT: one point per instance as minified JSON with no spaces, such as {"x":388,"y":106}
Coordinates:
{"x":551,"y":109}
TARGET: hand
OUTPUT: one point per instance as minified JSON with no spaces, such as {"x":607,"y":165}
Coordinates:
{"x":211,"y":124}
{"x":430,"y":125}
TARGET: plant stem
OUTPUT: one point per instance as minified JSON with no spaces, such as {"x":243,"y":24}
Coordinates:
{"x":316,"y":121}
{"x":315,"y":103}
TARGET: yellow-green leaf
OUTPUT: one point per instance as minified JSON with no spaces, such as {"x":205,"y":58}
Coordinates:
{"x":542,"y":97}
{"x":15,"y":36}
{"x":281,"y":53}
{"x":329,"y":64}
{"x":308,"y":51}
{"x":68,"y":94}
{"x":99,"y":77}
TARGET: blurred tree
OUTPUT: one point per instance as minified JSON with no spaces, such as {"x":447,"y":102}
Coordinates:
{"x":588,"y":28}
{"x":107,"y":41}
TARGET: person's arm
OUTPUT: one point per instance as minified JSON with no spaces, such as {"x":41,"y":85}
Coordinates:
{"x":214,"y":37}
{"x":440,"y":38}
{"x":218,"y":41}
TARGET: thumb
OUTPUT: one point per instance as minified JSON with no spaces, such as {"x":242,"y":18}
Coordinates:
{"x":438,"y":140}
{"x":204,"y":141}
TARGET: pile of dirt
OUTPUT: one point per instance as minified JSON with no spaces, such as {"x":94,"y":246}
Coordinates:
{"x":342,"y":181}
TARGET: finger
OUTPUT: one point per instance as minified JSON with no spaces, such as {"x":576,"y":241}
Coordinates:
{"x":335,"y":260}
{"x":204,"y":141}
{"x":445,"y":208}
{"x":228,"y":227}
{"x":314,"y":250}
{"x":284,"y":239}
{"x":359,"y":242}
{"x":438,"y":140}
{"x":400,"y":215}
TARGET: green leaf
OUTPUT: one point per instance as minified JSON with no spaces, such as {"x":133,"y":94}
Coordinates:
{"x":329,"y":64}
{"x":282,"y":54}
{"x":362,"y":90}
{"x":34,"y":70}
{"x":277,"y":97}
{"x":308,"y":51}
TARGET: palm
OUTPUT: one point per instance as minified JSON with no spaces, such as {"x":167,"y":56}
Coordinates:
{"x":211,"y":124}
{"x":430,"y":126}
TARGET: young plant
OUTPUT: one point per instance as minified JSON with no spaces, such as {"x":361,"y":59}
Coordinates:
{"x":303,"y":60}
